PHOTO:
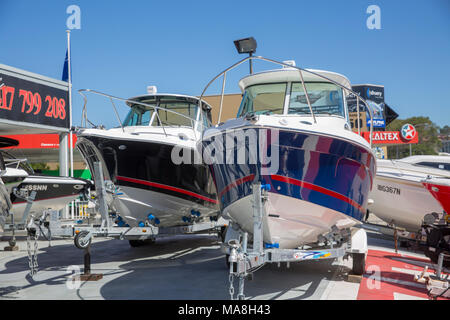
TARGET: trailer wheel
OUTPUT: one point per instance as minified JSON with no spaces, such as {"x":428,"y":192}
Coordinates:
{"x":359,"y":263}
{"x":136,"y":243}
{"x":82,"y":241}
{"x":140,"y":243}
{"x":223,"y":233}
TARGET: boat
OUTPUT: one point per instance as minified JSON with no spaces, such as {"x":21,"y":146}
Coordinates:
{"x":439,"y":187}
{"x":19,"y":180}
{"x":433,"y":161}
{"x":399,"y":196}
{"x":136,"y":158}
{"x":318,"y":172}
{"x":437,"y":226}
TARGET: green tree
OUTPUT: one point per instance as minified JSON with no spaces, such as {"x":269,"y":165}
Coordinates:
{"x":445,"y":130}
{"x":428,"y":138}
{"x":39,"y":166}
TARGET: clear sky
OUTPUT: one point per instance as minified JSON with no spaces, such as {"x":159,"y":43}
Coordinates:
{"x":124,"y":46}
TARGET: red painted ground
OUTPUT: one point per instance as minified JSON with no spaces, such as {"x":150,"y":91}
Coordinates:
{"x":379,"y":265}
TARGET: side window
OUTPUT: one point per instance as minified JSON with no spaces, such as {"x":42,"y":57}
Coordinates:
{"x":442,"y":166}
{"x":246,"y":106}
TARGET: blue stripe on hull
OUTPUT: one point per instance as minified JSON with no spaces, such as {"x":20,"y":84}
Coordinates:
{"x":336,"y":174}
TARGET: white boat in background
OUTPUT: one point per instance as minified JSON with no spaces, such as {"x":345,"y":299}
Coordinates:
{"x":399,"y":196}
{"x":137,"y":158}
{"x":324,"y":172}
{"x":432,"y":161}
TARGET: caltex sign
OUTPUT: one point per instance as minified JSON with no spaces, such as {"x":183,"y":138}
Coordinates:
{"x":408,"y":134}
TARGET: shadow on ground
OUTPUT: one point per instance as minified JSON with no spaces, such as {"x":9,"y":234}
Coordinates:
{"x":177,"y":267}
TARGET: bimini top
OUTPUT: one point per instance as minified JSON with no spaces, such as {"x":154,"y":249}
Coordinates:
{"x":168,"y":97}
{"x":291,"y":74}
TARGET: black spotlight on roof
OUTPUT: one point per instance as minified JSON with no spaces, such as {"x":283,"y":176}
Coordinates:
{"x":246,"y":45}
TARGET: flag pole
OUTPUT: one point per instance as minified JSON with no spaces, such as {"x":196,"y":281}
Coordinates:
{"x":70,"y":104}
{"x":69,"y":67}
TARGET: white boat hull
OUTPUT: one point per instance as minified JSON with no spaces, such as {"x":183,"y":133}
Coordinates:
{"x":402,"y":202}
{"x":136,"y":204}
{"x":299,"y":222}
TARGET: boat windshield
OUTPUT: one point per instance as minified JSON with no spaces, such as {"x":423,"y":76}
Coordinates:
{"x":183,"y":112}
{"x":263,"y":99}
{"x":325,"y":99}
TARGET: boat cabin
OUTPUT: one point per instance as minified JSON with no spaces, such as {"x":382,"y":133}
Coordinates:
{"x":280,"y":92}
{"x":167,"y":110}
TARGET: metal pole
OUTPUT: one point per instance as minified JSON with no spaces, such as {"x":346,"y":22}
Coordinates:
{"x":221,"y":96}
{"x":357,"y":108}
{"x":251,"y":63}
{"x":257,"y":218}
{"x":63,"y":163}
{"x":69,"y":67}
{"x":70,"y":103}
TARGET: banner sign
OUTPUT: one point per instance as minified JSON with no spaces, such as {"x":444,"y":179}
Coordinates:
{"x":407,"y":135}
{"x":374,"y":95}
{"x":33,"y":99}
{"x":39,"y":141}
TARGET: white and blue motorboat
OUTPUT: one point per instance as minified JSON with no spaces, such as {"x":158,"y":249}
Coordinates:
{"x":292,"y":134}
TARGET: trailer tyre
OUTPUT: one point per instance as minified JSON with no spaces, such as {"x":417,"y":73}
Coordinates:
{"x":82,"y":241}
{"x":140,"y":243}
{"x":359,"y":263}
{"x":223,"y":233}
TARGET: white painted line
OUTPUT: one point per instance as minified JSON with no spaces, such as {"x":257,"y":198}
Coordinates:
{"x":407,"y":271}
{"x":402,"y":296}
{"x":401,"y":282}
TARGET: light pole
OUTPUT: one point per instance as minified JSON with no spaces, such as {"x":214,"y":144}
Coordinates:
{"x":246,"y":45}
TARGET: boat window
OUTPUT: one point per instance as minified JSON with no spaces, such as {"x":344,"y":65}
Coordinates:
{"x":185,"y":111}
{"x":263,"y":99}
{"x":206,"y":119}
{"x":138,"y":116}
{"x":442,"y":166}
{"x":325,"y":99}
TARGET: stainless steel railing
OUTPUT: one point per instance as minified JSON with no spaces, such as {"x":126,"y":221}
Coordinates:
{"x":195,"y":122}
{"x":358,"y":98}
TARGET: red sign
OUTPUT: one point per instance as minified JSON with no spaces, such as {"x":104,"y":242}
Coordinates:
{"x":38,"y":141}
{"x":389,"y":137}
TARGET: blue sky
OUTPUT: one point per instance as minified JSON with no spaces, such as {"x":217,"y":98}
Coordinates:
{"x":122,"y":47}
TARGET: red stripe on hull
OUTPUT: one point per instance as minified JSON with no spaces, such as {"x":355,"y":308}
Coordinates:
{"x":236,"y":183}
{"x":166,"y":187}
{"x":314,"y":187}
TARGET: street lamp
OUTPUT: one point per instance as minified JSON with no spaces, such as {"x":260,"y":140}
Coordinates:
{"x":246,"y":45}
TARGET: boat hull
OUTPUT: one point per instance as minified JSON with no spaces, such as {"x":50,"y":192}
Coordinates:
{"x":402,"y":202}
{"x":320,"y":182}
{"x":51,"y":193}
{"x":440,"y":189}
{"x":150,"y":182}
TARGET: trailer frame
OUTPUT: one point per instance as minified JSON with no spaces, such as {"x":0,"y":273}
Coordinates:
{"x":245,"y":257}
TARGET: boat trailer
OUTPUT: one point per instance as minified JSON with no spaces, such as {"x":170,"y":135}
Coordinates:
{"x":244,"y":258}
{"x":137,"y":235}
